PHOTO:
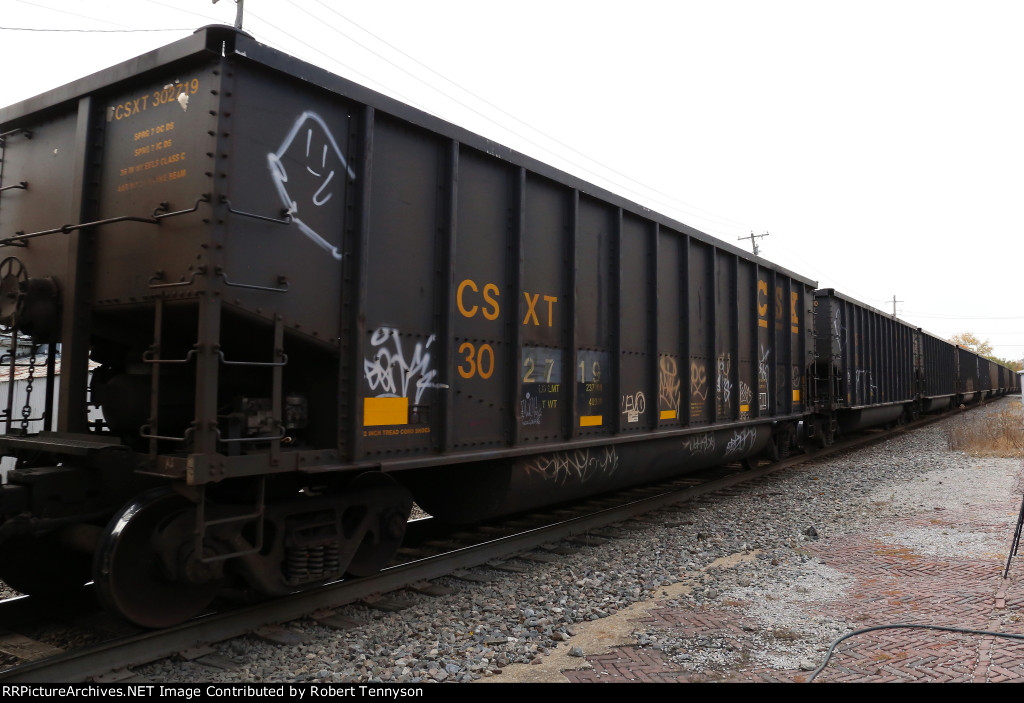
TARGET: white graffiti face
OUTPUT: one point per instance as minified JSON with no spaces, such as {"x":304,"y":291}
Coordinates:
{"x":580,"y":466}
{"x":308,"y":169}
{"x":391,"y":372}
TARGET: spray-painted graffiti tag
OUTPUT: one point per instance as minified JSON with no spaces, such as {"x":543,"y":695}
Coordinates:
{"x":530,"y":412}
{"x":703,"y":443}
{"x":668,"y":385}
{"x":746,"y":395}
{"x":742,"y":441}
{"x":580,"y":466}
{"x":633,"y":406}
{"x":699,"y":381}
{"x":723,"y":384}
{"x":391,"y":373}
{"x":763,"y":371}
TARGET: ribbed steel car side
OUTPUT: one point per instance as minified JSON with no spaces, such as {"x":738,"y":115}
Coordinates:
{"x":865,"y":361}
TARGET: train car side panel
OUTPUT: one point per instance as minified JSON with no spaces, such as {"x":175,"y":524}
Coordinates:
{"x":744,"y":379}
{"x":968,"y":384}
{"x":484,"y":308}
{"x":406,"y":244}
{"x":701,"y":330}
{"x":672,"y":339}
{"x":868,"y":361}
{"x":596,"y":306}
{"x":638,"y":390}
{"x":38,"y":171}
{"x":542,"y":308}
{"x":939,"y":373}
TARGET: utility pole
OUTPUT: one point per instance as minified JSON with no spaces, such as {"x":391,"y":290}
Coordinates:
{"x":753,"y":239}
{"x":894,"y":301}
{"x":238,"y":13}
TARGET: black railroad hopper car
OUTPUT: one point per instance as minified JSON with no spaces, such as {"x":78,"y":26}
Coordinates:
{"x":301,"y":305}
{"x":867,"y":365}
{"x":872,"y":369}
{"x":937,"y":373}
{"x":969,"y":384}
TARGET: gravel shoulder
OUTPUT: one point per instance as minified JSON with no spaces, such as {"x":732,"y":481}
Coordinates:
{"x":752,"y":553}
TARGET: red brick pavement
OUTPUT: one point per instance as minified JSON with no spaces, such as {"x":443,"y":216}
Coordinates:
{"x":891,"y":584}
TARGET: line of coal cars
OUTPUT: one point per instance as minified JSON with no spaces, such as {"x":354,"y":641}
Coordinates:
{"x":873,"y":369}
{"x":302,"y":305}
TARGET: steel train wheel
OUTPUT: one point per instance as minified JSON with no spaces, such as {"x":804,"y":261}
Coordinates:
{"x":132,"y":579}
{"x":42,"y":567}
{"x":13,"y":278}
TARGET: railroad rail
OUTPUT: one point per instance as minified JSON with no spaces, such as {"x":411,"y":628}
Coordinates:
{"x":431,"y":553}
{"x":280,"y":329}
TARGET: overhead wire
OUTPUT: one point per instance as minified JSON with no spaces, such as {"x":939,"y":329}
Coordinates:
{"x":124,"y":29}
{"x":71,"y":14}
{"x":182,"y":10}
{"x":368,"y":80}
{"x":675,"y":204}
{"x":965,"y":317}
{"x":101,"y":31}
{"x":529,"y":126}
{"x":687,"y":210}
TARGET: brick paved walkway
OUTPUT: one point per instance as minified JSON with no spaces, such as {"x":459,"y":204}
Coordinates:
{"x":889,"y":584}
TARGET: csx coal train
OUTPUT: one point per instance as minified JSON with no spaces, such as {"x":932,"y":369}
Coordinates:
{"x":301,"y":306}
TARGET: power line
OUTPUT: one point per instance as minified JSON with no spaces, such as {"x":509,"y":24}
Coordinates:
{"x":93,"y":31}
{"x":70,"y":14}
{"x":330,"y":58}
{"x":964,"y":317}
{"x":181,"y":10}
{"x":685,"y":209}
{"x":679,"y":204}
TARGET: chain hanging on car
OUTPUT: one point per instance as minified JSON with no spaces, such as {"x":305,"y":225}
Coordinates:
{"x":26,"y":410}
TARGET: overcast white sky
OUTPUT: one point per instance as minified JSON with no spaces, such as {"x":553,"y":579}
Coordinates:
{"x":880,"y":144}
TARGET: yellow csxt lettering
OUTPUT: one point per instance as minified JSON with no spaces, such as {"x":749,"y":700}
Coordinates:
{"x":489,"y":296}
{"x":477,"y":361}
{"x":132,"y":107}
{"x":531,"y":308}
{"x":762,"y":295}
{"x":762,"y":304}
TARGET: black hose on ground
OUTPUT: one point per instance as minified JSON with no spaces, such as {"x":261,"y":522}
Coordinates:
{"x":828,"y":654}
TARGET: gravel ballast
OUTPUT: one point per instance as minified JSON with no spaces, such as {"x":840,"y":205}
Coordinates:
{"x":749,"y":548}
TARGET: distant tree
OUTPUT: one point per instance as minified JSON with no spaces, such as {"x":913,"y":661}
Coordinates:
{"x":971,"y":341}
